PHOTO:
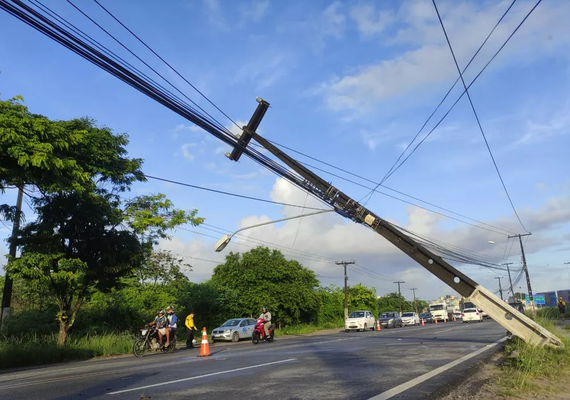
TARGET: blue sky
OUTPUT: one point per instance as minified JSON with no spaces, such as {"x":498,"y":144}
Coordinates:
{"x":349,"y":83}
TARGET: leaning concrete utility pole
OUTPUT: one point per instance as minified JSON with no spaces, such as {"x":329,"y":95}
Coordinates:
{"x":301,"y":176}
{"x":345,"y":263}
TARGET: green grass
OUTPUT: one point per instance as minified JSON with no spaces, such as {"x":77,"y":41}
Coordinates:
{"x":31,"y":350}
{"x":536,"y":368}
{"x":307,"y":328}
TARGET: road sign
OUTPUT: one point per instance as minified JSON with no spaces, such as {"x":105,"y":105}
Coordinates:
{"x":539,"y":299}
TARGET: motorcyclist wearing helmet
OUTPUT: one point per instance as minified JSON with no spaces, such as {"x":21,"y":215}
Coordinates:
{"x":266,"y":315}
{"x":172,"y":324}
{"x":160,"y":323}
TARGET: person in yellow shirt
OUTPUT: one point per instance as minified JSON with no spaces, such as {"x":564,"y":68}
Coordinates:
{"x":191,"y":328}
{"x":562,"y":307}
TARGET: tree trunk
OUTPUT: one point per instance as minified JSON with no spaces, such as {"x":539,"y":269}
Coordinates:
{"x":66,"y":319}
{"x":62,"y":336}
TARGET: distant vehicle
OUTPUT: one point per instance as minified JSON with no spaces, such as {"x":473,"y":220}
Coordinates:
{"x":457,"y":315}
{"x":234,"y":330}
{"x":359,"y":320}
{"x":469,"y":304}
{"x":410,"y":318}
{"x":427,"y":318}
{"x":471,"y":314}
{"x":439,"y":312}
{"x":390,"y":319}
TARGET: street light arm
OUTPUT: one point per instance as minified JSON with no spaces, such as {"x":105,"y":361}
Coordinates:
{"x":281,"y":220}
{"x":225,"y":240}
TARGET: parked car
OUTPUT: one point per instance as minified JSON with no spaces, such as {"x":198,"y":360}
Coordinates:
{"x":427,"y":317}
{"x":471,"y":314}
{"x":410,"y":318}
{"x":390,"y":319}
{"x":234,"y":330}
{"x":359,"y":320}
{"x":457,"y":315}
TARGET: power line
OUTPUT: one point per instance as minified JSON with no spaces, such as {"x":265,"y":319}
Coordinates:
{"x":170,"y":66}
{"x":476,"y":115}
{"x":463,"y":93}
{"x":229,"y":193}
{"x":205,"y":97}
{"x":219,"y":124}
{"x":417,"y":205}
{"x":448,"y":92}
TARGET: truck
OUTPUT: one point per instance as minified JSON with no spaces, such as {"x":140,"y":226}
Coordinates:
{"x":439,"y":312}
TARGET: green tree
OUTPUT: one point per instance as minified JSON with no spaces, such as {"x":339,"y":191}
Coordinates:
{"x":331,"y":304}
{"x":362,"y":298}
{"x":86,"y":240}
{"x":61,"y":155}
{"x":392,"y":301}
{"x":264,"y":277}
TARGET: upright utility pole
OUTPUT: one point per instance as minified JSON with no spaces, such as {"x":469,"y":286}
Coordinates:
{"x":530,"y":296}
{"x":415,"y":305}
{"x":345,"y":263}
{"x":510,"y":280}
{"x":500,"y":287}
{"x":8,"y":283}
{"x":400,"y":295}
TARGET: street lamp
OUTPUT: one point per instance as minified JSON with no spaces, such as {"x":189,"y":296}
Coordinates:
{"x":225,"y":240}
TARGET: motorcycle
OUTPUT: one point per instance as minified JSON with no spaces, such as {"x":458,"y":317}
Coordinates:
{"x":148,"y":341}
{"x":259,"y":332}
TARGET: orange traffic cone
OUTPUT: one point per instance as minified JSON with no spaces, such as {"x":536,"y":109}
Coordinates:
{"x":205,"y":347}
{"x":423,"y":324}
{"x":378,"y":327}
{"x":436,"y":321}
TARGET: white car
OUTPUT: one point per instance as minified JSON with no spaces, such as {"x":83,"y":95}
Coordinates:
{"x":234,"y":330}
{"x":410,"y":318}
{"x":360,"y":320}
{"x":471,"y":314}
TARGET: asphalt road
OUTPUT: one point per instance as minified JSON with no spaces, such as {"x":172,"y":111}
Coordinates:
{"x":356,"y":365}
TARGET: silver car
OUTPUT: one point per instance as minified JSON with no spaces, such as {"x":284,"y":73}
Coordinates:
{"x":234,"y":330}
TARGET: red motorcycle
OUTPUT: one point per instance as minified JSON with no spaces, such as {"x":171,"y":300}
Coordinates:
{"x":259,"y":332}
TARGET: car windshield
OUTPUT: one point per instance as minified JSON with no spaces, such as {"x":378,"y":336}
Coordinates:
{"x":436,"y":307}
{"x":468,"y":310}
{"x":387,"y":315}
{"x":356,"y":314}
{"x":425,"y":315}
{"x":232,"y":322}
{"x":408,"y":314}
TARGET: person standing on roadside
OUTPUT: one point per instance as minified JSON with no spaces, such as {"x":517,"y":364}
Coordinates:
{"x":191,"y":328}
{"x":562,"y":308}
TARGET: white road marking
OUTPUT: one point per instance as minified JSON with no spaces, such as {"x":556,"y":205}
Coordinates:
{"x":203,"y":376}
{"x":422,"y":378}
{"x":445,"y":330}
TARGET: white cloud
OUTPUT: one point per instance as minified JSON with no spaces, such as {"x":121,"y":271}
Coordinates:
{"x":185,"y":151}
{"x":536,"y":132}
{"x":332,"y":21}
{"x":369,"y":21}
{"x":214,"y":13}
{"x":256,"y":10}
{"x":332,"y":236}
{"x":266,"y":70}
{"x":428,"y":61}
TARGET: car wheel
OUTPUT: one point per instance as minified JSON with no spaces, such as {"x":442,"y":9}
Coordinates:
{"x":365,"y":327}
{"x":347,"y":330}
{"x":235,"y":337}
